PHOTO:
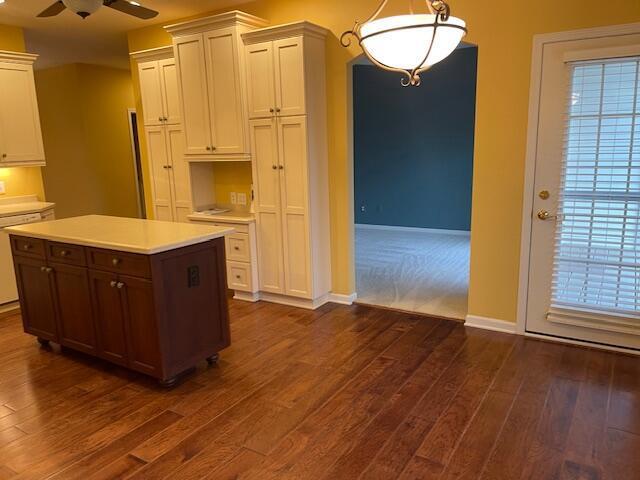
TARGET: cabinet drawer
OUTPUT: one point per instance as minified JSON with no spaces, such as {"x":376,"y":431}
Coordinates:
{"x":30,"y":247}
{"x":65,"y":253}
{"x":119,"y":262}
{"x":240,"y":227}
{"x":238,"y":247}
{"x":239,"y":276}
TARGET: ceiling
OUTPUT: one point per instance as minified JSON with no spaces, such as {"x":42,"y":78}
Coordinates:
{"x":100,"y":39}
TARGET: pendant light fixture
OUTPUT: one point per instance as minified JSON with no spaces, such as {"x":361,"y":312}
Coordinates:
{"x":409,"y":43}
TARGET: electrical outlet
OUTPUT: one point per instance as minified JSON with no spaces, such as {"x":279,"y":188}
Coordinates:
{"x":363,"y":208}
{"x":2,"y":189}
{"x":234,"y":199}
{"x":242,"y":198}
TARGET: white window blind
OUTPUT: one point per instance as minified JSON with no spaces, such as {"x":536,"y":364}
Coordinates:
{"x":597,"y":251}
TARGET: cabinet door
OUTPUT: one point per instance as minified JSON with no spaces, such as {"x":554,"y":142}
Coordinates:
{"x":170,"y":96}
{"x":260,"y":78}
{"x":108,"y":317}
{"x":264,"y":144}
{"x":292,"y":149}
{"x":151,"y":93}
{"x":159,"y":163}
{"x":179,"y":174}
{"x":72,"y":296}
{"x":192,"y":87}
{"x":289,"y":76}
{"x":140,"y":323}
{"x":36,"y":298}
{"x":20,"y":134}
{"x":225,"y":94}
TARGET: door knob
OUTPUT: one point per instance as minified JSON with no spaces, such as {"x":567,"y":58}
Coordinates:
{"x":544,"y":215}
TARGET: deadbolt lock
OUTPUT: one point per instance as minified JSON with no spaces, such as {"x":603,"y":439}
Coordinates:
{"x":544,"y":194}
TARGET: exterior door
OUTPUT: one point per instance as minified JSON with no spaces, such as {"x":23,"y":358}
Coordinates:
{"x":266,"y":175}
{"x":178,"y":174}
{"x":292,"y":149}
{"x":160,"y":162}
{"x":73,"y":305}
{"x":225,"y":96}
{"x":36,"y":298}
{"x":151,"y":91}
{"x":260,"y":80}
{"x":584,"y":259}
{"x":170,"y":97}
{"x":192,"y":85}
{"x":20,"y":134}
{"x":289,"y":76}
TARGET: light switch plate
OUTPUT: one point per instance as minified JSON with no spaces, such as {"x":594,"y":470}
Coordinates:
{"x":242,"y":198}
{"x":2,"y":189}
{"x":234,"y":200}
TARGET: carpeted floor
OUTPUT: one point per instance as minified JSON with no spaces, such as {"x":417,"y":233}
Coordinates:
{"x":413,"y":270}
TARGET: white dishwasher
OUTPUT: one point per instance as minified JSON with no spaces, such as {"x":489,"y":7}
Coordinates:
{"x":8,"y":289}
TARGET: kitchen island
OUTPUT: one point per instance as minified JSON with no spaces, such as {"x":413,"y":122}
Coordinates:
{"x":147,"y":295}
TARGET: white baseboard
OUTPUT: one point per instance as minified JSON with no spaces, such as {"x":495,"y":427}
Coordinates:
{"x":9,"y":307}
{"x":490,"y":324}
{"x":343,"y":299}
{"x":246,"y":296}
{"x":294,"y":301}
{"x":364,"y":226}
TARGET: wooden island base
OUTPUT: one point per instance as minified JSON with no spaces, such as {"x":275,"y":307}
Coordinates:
{"x":158,"y":314}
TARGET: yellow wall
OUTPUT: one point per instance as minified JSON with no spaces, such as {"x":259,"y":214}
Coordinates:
{"x":18,"y":180}
{"x":503,"y":31}
{"x":85,"y":127}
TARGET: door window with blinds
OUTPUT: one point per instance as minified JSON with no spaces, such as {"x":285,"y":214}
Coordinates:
{"x":597,"y":248}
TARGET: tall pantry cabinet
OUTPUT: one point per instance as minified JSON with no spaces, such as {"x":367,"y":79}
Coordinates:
{"x":162,"y":119}
{"x":287,"y":110}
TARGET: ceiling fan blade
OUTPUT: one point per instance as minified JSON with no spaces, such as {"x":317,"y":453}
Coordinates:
{"x":52,"y":10}
{"x":131,"y":8}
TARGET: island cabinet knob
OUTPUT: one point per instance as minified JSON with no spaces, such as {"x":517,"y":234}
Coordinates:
{"x":27,"y":246}
{"x":64,"y":253}
{"x":113,"y":283}
{"x":120,"y":284}
{"x":46,"y":269}
{"x":115,"y":261}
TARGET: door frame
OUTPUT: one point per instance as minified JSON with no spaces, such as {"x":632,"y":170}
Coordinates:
{"x":539,"y":41}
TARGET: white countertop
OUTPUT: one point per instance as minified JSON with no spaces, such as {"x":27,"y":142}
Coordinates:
{"x":123,"y":234}
{"x":228,"y":217}
{"x":20,"y":205}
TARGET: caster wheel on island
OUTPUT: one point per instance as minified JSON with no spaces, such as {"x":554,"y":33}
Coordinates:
{"x":213,"y":359}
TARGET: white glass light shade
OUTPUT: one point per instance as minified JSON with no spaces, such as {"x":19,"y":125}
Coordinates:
{"x":88,"y":6}
{"x":404,"y":40}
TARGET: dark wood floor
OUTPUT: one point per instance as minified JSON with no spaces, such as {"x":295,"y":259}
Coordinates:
{"x":340,"y":393}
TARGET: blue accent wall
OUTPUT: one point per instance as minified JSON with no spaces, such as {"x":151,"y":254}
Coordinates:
{"x":413,"y":146}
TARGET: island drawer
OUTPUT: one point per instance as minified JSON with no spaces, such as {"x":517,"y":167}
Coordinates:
{"x":66,"y":253}
{"x":133,"y":264}
{"x":26,"y":246}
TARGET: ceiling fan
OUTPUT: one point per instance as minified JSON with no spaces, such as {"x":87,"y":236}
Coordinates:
{"x":84,"y":8}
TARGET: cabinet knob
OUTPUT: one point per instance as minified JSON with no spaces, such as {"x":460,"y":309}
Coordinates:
{"x":119,"y":284}
{"x":281,"y":167}
{"x":160,"y":119}
{"x":64,"y":253}
{"x":238,"y":277}
{"x":46,"y":269}
{"x":277,"y":109}
{"x":42,"y":269}
{"x":271,"y":110}
{"x":165,"y":118}
{"x":27,"y":246}
{"x":115,"y":261}
{"x":275,"y":167}
{"x":113,"y":283}
{"x":169,"y":167}
{"x":4,"y":155}
{"x":208,"y":149}
{"x":236,"y":248}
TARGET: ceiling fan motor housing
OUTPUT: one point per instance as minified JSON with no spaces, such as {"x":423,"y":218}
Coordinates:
{"x":84,"y":8}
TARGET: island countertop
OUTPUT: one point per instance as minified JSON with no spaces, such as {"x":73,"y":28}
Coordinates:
{"x":123,"y":234}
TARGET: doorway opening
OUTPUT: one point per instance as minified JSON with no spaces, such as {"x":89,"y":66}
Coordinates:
{"x":413,"y":170}
{"x":137,"y":162}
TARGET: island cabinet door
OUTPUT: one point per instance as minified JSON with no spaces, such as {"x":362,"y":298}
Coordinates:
{"x":36,"y":298}
{"x":73,"y":305}
{"x":140,"y":323}
{"x":108,"y":317}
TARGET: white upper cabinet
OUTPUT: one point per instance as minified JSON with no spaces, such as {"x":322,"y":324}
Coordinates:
{"x":20,"y":133}
{"x":159,"y":91}
{"x":276,"y":77}
{"x":212,"y":89}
